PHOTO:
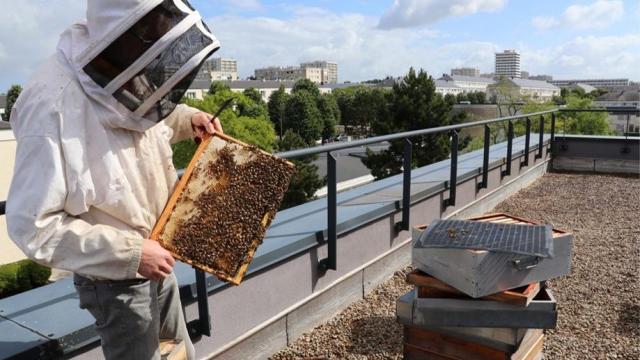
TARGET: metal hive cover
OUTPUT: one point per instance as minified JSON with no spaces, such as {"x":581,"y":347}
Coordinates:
{"x":531,"y":240}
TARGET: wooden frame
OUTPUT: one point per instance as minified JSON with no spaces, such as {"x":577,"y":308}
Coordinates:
{"x":164,"y":218}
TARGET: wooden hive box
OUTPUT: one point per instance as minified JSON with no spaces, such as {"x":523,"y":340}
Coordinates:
{"x":220,"y":209}
{"x":479,"y":273}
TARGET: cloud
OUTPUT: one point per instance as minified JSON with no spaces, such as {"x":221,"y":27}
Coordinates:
{"x":363,"y":52}
{"x":29,"y":32}
{"x":597,"y":15}
{"x":586,"y":56}
{"x":249,"y":5}
{"x":410,"y":13}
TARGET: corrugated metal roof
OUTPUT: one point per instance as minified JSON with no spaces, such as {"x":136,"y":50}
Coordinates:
{"x":629,"y":93}
{"x":446,"y":84}
{"x":472,"y":79}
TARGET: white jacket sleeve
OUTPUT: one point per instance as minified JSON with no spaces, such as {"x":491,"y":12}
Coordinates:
{"x":180,"y":121}
{"x":39,"y":225}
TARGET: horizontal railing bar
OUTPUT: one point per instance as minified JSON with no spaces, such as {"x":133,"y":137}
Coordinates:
{"x":397,"y":136}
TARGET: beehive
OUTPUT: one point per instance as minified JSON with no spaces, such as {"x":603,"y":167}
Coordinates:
{"x":222,"y":206}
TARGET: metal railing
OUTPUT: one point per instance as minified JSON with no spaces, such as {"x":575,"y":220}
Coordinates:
{"x":330,"y":262}
{"x":202,"y":325}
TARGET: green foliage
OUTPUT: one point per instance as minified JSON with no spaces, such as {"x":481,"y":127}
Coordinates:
{"x":276,"y":107}
{"x":477,"y":97}
{"x":253,"y":94}
{"x":461,"y":97}
{"x":413,"y":105}
{"x":217,"y":86}
{"x":306,"y":85}
{"x":303,"y":117}
{"x":583,"y":123}
{"x":22,"y":276}
{"x":12,"y":97}
{"x":305,"y":182}
{"x":450,"y":99}
{"x":328,"y":107}
{"x":360,"y":107}
{"x":246,"y":121}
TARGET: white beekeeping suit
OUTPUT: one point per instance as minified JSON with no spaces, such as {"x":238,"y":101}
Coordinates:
{"x":93,"y":128}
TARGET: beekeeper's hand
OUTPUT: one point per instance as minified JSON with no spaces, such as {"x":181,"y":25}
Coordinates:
{"x":204,"y":123}
{"x":156,"y":263}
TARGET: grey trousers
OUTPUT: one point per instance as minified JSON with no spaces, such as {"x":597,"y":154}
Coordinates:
{"x":132,"y":316}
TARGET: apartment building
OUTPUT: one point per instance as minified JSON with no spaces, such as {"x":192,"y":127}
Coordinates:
{"x":468,"y":83}
{"x":508,"y":64}
{"x":222,"y":69}
{"x":320,"y":72}
{"x":597,"y":83}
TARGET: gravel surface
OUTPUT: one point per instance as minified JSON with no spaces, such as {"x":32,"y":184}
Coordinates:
{"x":598,"y":303}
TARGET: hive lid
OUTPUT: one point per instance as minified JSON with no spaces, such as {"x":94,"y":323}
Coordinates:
{"x":220,"y":210}
{"x":531,"y":240}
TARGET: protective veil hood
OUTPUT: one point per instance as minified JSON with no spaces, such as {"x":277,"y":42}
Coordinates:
{"x":137,"y":58}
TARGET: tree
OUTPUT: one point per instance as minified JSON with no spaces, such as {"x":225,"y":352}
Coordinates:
{"x":584,"y":123}
{"x":305,"y":182}
{"x":450,"y":99}
{"x":330,"y":113}
{"x":12,"y":97}
{"x":303,"y":117}
{"x":413,"y":104}
{"x":253,"y":94}
{"x":276,"y":107}
{"x":461,"y":97}
{"x":361,"y":106}
{"x":244,"y":121}
{"x":218,"y":86}
{"x":481,"y":97}
{"x":306,"y":85}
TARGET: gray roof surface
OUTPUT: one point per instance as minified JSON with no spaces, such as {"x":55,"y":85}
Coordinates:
{"x":440,"y":83}
{"x":53,"y":309}
{"x":527,"y":83}
{"x":628,"y":93}
{"x":472,"y":79}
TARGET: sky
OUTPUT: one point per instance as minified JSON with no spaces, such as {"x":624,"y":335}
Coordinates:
{"x":374,"y":39}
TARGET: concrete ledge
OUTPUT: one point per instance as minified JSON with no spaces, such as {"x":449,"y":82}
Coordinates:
{"x":596,"y":165}
{"x":260,"y":345}
{"x":381,"y":271}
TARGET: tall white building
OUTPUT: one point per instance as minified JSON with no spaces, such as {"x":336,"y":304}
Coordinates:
{"x":508,"y":64}
{"x":222,"y":69}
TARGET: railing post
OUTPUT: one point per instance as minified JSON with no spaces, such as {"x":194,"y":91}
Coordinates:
{"x":332,"y":216}
{"x":202,"y":325}
{"x":526,"y":144}
{"x":485,"y":159}
{"x":553,"y":132}
{"x":540,"y":138}
{"x":507,"y":171}
{"x":453,"y":178}
{"x":406,"y":187}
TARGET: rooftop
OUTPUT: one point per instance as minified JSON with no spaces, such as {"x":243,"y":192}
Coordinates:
{"x":599,"y":308}
{"x":537,"y":84}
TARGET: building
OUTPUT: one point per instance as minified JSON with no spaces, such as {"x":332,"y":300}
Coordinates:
{"x":508,"y":64}
{"x":329,"y":70}
{"x":320,"y":72}
{"x":199,"y":88}
{"x":445,"y":87}
{"x":541,"y":77}
{"x":469,"y":84}
{"x":488,"y":75}
{"x":524,"y":74}
{"x":222,"y":69}
{"x":597,"y":83}
{"x":466,"y":71}
{"x":622,"y":98}
{"x":540,"y":91}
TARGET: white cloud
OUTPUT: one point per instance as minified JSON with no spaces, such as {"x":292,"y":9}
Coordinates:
{"x":362,"y":51}
{"x":251,"y":5}
{"x":409,"y":13}
{"x":29,"y":31}
{"x":597,"y":15}
{"x":586,"y":56}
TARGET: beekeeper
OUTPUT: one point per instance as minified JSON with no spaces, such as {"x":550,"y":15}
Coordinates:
{"x":94,"y":168}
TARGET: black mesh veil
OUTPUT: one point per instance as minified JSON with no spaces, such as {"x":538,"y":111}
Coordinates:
{"x":166,"y":49}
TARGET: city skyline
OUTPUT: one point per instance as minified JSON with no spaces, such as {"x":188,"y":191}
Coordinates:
{"x":375,"y":39}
